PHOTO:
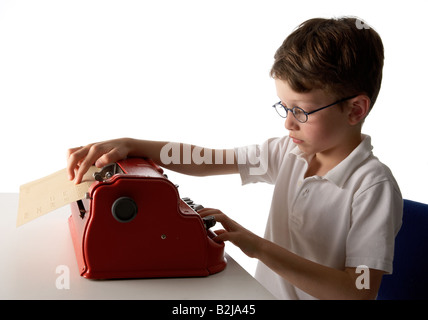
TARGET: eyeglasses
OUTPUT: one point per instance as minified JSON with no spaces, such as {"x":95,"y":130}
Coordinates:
{"x":300,"y":114}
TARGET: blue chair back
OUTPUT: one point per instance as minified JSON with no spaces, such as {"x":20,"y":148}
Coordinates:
{"x":409,"y":278}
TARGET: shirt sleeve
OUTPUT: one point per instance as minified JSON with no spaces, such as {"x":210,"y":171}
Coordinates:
{"x":261,"y":163}
{"x":376,"y":219}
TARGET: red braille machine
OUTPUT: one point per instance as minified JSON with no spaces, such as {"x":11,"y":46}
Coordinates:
{"x":133,"y":224}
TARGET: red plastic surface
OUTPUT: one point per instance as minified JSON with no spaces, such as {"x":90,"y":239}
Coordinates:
{"x":165,"y":239}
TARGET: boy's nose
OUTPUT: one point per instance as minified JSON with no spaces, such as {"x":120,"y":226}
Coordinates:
{"x":291,"y":122}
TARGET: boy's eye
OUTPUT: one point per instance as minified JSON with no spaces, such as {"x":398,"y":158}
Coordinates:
{"x":298,"y":111}
{"x":299,"y":114}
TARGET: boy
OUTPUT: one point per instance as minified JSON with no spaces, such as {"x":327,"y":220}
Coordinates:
{"x":335,"y":209}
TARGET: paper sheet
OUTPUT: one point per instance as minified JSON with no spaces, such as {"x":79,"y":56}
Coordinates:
{"x":41,"y":196}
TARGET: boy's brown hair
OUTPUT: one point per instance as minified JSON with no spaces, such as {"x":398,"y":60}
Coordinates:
{"x":342,"y":56}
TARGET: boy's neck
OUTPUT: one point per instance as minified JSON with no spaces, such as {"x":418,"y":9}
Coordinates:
{"x":323,"y":162}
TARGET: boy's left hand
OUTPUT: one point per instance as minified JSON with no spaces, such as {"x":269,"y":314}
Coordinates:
{"x":247,"y":241}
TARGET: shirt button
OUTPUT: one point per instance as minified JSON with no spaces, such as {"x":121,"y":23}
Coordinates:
{"x":305,"y":192}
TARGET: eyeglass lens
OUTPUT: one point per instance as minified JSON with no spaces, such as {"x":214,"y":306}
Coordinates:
{"x":298,"y":113}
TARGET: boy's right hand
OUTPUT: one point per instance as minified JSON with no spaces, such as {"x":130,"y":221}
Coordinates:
{"x":80,"y":159}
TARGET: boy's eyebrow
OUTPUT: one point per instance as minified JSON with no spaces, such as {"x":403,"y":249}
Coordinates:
{"x":297,"y":103}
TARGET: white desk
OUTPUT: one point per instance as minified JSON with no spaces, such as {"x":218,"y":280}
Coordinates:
{"x":31,"y":254}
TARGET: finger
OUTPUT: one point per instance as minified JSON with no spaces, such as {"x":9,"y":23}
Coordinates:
{"x":74,"y":158}
{"x":219,"y":217}
{"x":95,"y":152}
{"x":209,"y":212}
{"x":220,"y":231}
{"x":221,"y":236}
{"x":109,"y":157}
{"x":72,"y":150}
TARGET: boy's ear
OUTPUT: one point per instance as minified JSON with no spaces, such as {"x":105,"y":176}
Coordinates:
{"x":359,"y":108}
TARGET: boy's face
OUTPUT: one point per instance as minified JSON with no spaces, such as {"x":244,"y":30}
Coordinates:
{"x":326,"y":132}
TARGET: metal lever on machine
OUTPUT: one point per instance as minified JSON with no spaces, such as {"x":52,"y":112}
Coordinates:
{"x":208,"y":221}
{"x":107,"y":172}
{"x":82,"y":210}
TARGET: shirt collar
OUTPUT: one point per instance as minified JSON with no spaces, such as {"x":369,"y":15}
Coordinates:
{"x":341,"y":173}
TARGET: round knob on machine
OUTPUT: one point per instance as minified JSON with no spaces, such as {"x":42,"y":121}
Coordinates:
{"x":124,"y":209}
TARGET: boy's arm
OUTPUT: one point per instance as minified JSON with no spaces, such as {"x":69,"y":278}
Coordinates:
{"x":80,"y":159}
{"x":315,"y":279}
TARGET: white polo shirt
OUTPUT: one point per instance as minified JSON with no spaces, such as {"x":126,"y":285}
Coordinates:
{"x":347,"y":218}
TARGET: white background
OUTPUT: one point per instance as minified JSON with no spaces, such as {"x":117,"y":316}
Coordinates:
{"x":75,"y":72}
